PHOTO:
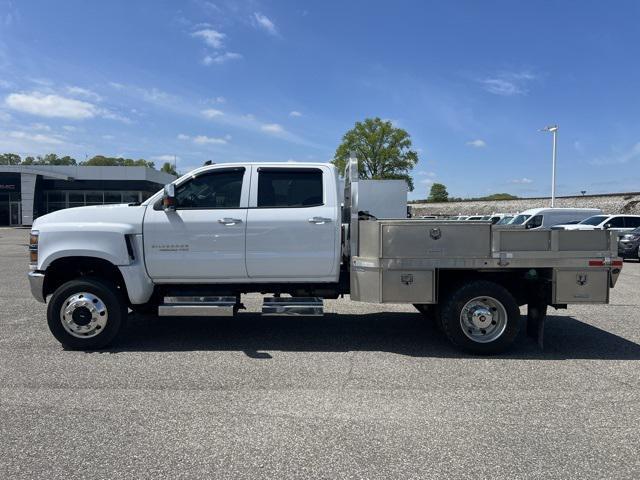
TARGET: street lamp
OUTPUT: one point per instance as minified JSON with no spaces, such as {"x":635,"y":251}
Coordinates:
{"x":553,"y":129}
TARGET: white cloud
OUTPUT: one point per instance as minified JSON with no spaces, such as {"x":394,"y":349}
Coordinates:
{"x":114,"y":116}
{"x":508,"y":83}
{"x":426,"y":181}
{"x":41,"y":126}
{"x":265,"y":23}
{"x":182,"y":136}
{"x":221,"y":58}
{"x":212,"y":112}
{"x":165,"y":158}
{"x":218,"y":99}
{"x":627,"y":156}
{"x":50,"y":106}
{"x":83,"y":92}
{"x":478,"y":143}
{"x":521,"y":181}
{"x":69,"y":128}
{"x":38,"y":138}
{"x":204,"y":140}
{"x":295,"y":113}
{"x":274,"y":128}
{"x":211,"y":37}
{"x":4,"y":116}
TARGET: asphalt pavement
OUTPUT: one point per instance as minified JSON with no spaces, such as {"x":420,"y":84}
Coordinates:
{"x":363,"y":392}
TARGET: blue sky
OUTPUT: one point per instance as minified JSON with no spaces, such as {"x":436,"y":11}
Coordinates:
{"x":472,"y":82}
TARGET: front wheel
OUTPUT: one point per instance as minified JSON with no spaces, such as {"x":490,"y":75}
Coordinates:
{"x":86,"y":314}
{"x":481,"y":317}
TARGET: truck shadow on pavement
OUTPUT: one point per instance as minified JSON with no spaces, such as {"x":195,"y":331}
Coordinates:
{"x":401,"y":333}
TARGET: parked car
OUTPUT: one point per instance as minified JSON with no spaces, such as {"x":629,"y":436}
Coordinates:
{"x":496,"y":218}
{"x":505,"y":220}
{"x":629,"y":245}
{"x":617,"y":223}
{"x":474,"y":217}
{"x":548,"y":217}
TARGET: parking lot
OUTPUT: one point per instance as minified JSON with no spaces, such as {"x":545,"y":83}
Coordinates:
{"x":363,"y":394}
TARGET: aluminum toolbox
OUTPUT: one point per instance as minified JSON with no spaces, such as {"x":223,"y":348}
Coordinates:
{"x":573,"y":285}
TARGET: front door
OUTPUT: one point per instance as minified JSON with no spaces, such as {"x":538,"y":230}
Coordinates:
{"x":204,"y":238}
{"x":14,"y":214}
{"x":292,"y":224}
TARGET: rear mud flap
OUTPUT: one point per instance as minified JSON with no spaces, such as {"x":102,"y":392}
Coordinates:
{"x":536,"y":316}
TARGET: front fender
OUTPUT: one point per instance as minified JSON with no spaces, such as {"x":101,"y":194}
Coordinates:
{"x":107,"y":245}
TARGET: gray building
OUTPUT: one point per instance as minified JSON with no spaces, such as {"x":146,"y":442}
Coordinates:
{"x":29,"y":191}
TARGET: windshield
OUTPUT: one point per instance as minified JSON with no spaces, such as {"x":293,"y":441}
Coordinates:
{"x":519,"y":220}
{"x":595,"y":220}
{"x":504,"y":220}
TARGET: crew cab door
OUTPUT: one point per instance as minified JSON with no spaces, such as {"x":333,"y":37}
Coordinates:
{"x":293,"y":224}
{"x":204,"y":238}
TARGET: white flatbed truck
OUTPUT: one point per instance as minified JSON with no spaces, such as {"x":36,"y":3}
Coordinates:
{"x":286,"y":230}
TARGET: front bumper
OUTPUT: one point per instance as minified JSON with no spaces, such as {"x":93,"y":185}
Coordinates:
{"x":36,"y":282}
{"x":627,"y":249}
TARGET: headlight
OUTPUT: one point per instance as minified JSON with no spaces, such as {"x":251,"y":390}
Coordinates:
{"x":33,"y":247}
{"x":631,"y":238}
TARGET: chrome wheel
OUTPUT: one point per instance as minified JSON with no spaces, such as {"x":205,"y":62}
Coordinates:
{"x":83,"y":315}
{"x":483,"y":319}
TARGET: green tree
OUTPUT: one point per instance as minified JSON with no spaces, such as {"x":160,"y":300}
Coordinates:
{"x":438,"y":193}
{"x":384,"y":151}
{"x":28,"y":161}
{"x":102,"y":161}
{"x":9,"y":159}
{"x":168,"y":168}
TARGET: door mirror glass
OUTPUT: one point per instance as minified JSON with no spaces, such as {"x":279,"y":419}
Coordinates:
{"x":169,"y":197}
{"x":607,"y":226}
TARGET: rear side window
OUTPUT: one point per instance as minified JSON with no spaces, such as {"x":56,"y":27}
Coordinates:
{"x":220,"y":189}
{"x":616,"y":222}
{"x":632,"y":222}
{"x":285,"y":188}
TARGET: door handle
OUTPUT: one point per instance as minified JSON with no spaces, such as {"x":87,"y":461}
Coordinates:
{"x":229,"y":221}
{"x":319,"y":220}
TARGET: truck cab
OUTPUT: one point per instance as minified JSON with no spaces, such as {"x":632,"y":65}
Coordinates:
{"x":239,"y":223}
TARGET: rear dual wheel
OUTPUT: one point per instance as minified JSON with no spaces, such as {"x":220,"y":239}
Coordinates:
{"x":481,"y":317}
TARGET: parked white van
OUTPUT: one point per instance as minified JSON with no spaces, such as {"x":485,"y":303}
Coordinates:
{"x":548,"y":217}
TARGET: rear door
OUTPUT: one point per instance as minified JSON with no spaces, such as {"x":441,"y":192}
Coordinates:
{"x":293,"y":224}
{"x":204,"y":238}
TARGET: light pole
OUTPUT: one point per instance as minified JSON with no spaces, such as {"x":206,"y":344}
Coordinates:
{"x":553,"y":129}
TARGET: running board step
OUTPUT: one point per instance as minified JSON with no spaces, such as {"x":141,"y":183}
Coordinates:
{"x":307,"y":306}
{"x":197,"y":307}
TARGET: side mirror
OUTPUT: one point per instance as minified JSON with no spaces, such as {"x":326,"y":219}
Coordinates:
{"x":169,"y":197}
{"x":607,"y":226}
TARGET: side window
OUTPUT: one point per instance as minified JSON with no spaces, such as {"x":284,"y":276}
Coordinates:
{"x":616,"y":222}
{"x":632,"y":222}
{"x":294,"y":187}
{"x":211,"y":190}
{"x":535,"y":222}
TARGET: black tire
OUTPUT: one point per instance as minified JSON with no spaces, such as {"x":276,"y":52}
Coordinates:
{"x":111,"y":305}
{"x":500,"y":304}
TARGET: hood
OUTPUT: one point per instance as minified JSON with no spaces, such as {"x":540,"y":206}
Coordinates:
{"x":575,"y":227}
{"x":125,"y":218}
